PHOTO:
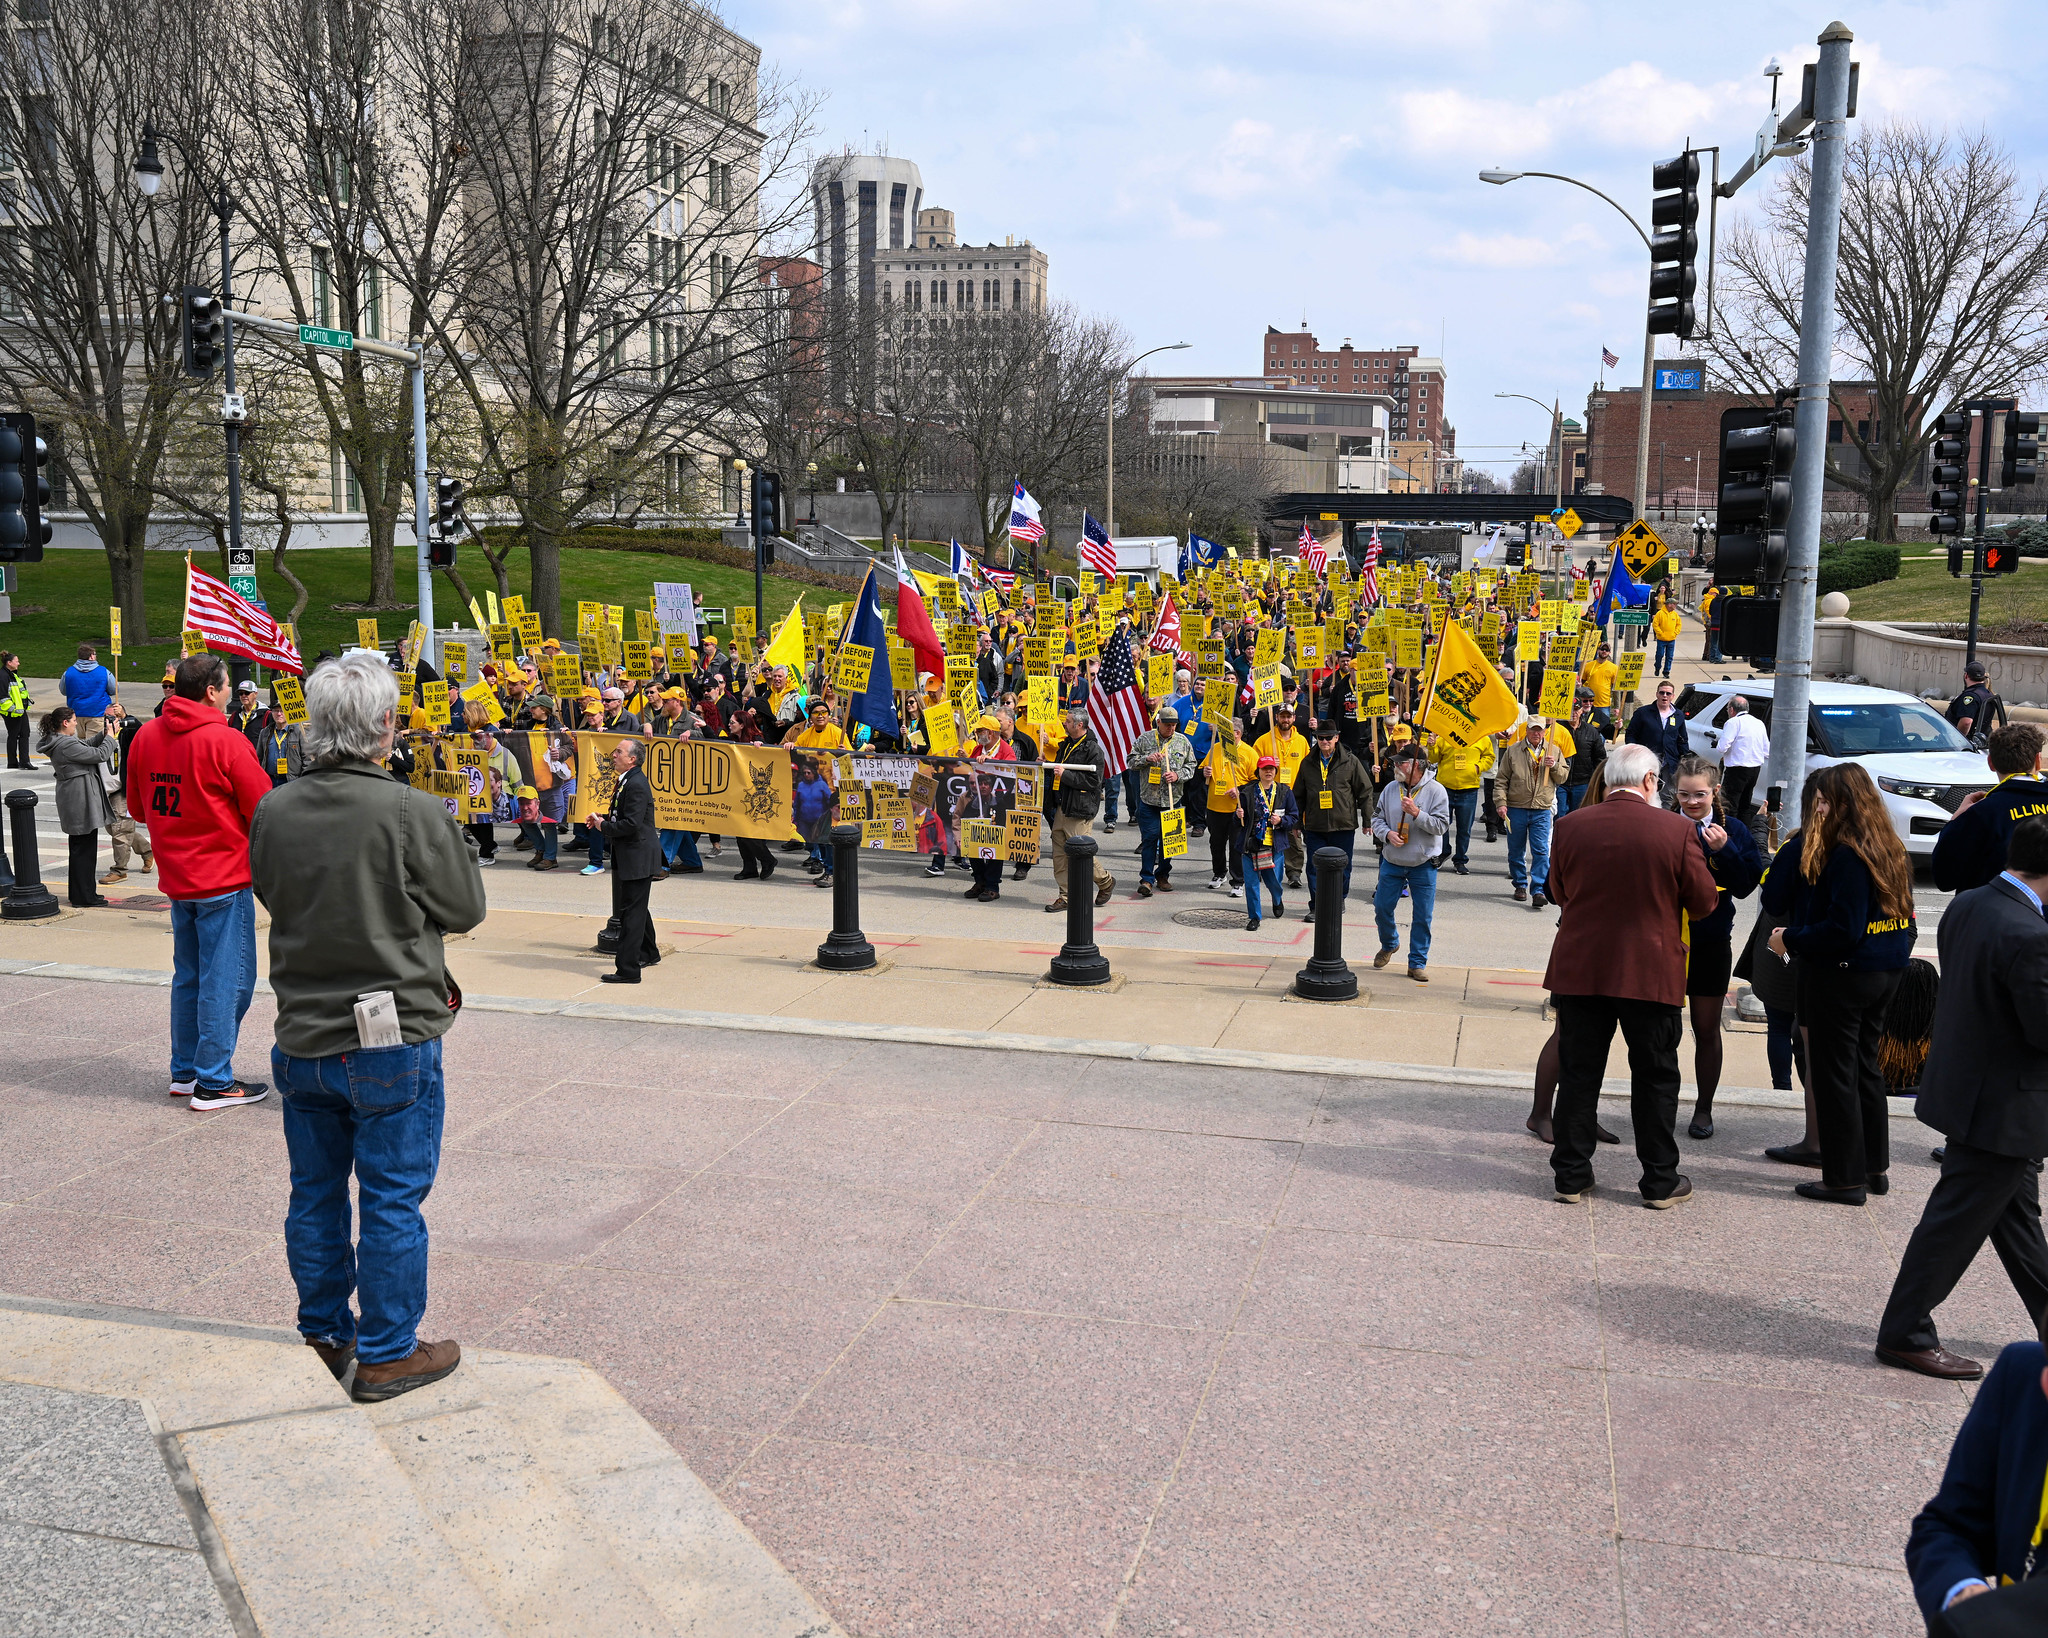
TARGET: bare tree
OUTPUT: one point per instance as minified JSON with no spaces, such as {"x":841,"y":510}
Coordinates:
{"x":1942,"y":294}
{"x":1211,"y":484}
{"x":87,"y":338}
{"x":894,"y":417}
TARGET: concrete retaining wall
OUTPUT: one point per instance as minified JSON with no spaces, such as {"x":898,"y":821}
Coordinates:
{"x":1912,"y":659}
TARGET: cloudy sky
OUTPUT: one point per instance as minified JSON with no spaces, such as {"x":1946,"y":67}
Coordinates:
{"x":1199,"y":169}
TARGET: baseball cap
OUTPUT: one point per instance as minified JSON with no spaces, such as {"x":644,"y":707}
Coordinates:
{"x":245,"y":687}
{"x":1269,"y":762}
{"x":526,"y":791}
{"x":988,"y":722}
{"x":1398,"y":731}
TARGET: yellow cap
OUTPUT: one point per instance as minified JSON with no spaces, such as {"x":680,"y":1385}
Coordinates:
{"x":526,"y":791}
{"x":990,"y":724}
{"x":1399,"y":730}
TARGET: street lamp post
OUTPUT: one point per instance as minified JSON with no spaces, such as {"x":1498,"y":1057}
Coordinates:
{"x":149,"y":176}
{"x":811,"y":476}
{"x":1501,"y":179}
{"x":1556,"y":409}
{"x":1116,"y":381}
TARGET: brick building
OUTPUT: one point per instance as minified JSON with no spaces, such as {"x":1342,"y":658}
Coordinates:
{"x":1414,"y":383}
{"x":1685,"y":445}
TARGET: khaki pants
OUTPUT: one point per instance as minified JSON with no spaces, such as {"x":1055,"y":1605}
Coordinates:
{"x":1297,"y":857}
{"x":91,"y":727}
{"x":121,"y":829}
{"x":1062,"y":827}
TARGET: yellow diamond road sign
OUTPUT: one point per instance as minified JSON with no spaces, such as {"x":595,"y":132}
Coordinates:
{"x":1641,"y":548}
{"x":1571,"y":523}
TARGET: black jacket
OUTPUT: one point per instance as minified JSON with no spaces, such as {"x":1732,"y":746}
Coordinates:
{"x":1667,"y":740}
{"x":1079,"y":791}
{"x":1986,"y":1079}
{"x":630,"y":833}
{"x":1836,"y":921}
{"x":1970,"y":850}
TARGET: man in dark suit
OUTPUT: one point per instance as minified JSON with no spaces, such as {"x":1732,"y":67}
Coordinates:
{"x":1977,"y":1534}
{"x":1660,"y":726}
{"x":1985,"y":1086}
{"x":635,"y":844}
{"x":1623,"y":871}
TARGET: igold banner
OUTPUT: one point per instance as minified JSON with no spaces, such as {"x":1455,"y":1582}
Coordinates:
{"x":699,"y":784}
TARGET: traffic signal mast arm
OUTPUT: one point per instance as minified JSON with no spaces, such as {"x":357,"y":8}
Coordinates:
{"x":363,"y":344}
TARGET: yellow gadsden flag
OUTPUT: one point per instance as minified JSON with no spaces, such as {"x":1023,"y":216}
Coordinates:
{"x":788,"y":646}
{"x":1465,"y":698}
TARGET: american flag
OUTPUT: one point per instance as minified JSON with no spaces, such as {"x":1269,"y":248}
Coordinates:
{"x":1369,"y":571}
{"x":1607,"y":358}
{"x":1313,"y":552}
{"x":1024,"y":523}
{"x":1096,"y":551}
{"x":1116,"y":705}
{"x":232,"y":624}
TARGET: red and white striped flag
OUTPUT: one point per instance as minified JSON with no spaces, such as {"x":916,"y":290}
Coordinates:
{"x":1313,"y":552}
{"x":1166,"y":634}
{"x":1369,"y":570}
{"x":231,"y":623}
{"x":1116,"y":704}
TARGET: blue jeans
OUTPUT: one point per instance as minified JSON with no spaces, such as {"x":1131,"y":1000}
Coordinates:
{"x":1128,"y":784}
{"x":378,"y":1114}
{"x":1420,"y":880}
{"x":1569,"y":797}
{"x":1529,"y":828}
{"x":1313,"y":842}
{"x":823,"y":854}
{"x":1667,"y":649}
{"x":1252,"y":878}
{"x":596,"y":846}
{"x":1464,"y":809}
{"x":213,"y":975}
{"x":1152,"y":860}
{"x":679,"y":847}
{"x":543,"y":837}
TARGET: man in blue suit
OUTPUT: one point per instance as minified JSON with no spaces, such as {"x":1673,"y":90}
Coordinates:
{"x":1983,"y":1527}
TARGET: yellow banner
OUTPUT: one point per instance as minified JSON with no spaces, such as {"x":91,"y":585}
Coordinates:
{"x":698,"y":784}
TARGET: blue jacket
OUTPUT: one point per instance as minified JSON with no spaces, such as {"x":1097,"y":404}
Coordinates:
{"x":1836,"y":921}
{"x":1982,"y":1518}
{"x":89,"y":690}
{"x":1970,"y":851}
{"x":1667,"y":740}
{"x":1736,"y":870}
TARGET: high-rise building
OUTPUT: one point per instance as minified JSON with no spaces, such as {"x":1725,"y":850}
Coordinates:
{"x":1415,"y":383}
{"x":864,"y":205}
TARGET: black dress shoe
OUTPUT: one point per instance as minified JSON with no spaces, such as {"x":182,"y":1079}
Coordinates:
{"x":1700,"y":1126}
{"x":1936,"y":1361}
{"x":753,"y":875}
{"x":1878,"y":1183}
{"x":619,"y":978}
{"x":1941,"y":1153}
{"x":1792,"y":1155}
{"x":1853,"y":1196}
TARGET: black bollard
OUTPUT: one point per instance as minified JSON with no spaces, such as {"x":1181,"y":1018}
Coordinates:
{"x":1326,"y":977}
{"x":28,"y":899}
{"x":608,"y":939}
{"x":1079,"y":961}
{"x":846,"y":948}
{"x":6,"y":869}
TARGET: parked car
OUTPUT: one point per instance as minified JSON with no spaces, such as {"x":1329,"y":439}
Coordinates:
{"x":1923,"y":767}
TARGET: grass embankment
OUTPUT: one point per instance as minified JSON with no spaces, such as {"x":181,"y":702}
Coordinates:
{"x":71,"y":590}
{"x":1924,"y":591}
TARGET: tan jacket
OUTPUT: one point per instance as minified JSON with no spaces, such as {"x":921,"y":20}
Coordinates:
{"x":1528,"y":776}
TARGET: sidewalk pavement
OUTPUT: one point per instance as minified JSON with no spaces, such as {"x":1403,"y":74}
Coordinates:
{"x":1483,"y":1022}
{"x":1000,"y":1341}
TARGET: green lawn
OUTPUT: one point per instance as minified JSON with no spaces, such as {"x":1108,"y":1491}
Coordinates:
{"x":1924,"y":591}
{"x":71,"y":590}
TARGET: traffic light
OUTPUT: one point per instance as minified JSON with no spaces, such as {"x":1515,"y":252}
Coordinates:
{"x":2022,"y":442}
{"x":1946,"y":476}
{"x":1674,"y":209}
{"x":449,"y":521}
{"x":24,"y":490}
{"x":767,"y":501}
{"x":202,"y":330}
{"x":1757,"y":448}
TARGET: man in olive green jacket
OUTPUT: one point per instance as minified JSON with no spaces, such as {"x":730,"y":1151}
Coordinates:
{"x":362,"y":876}
{"x":1335,"y":796}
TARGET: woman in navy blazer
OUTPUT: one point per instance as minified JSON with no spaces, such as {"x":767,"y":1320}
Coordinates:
{"x":1979,"y":1530}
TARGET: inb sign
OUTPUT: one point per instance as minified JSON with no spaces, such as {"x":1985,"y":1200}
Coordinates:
{"x":1642,"y":549}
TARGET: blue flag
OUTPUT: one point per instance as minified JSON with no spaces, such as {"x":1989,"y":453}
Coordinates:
{"x":874,"y":705}
{"x":1622,"y":591}
{"x":1181,"y":570}
{"x":1206,"y":552}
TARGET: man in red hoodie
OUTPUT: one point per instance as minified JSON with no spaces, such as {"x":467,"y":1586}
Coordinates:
{"x":195,"y":782}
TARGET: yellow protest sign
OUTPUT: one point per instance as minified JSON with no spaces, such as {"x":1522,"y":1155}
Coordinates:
{"x":1528,"y":643}
{"x":640,"y":660}
{"x":454,"y":660}
{"x":289,"y":695}
{"x":1556,"y":699}
{"x":1308,"y":646}
{"x":366,"y":633}
{"x":1020,"y":835}
{"x":1463,"y":695}
{"x":1267,"y":647}
{"x":1173,"y":832}
{"x":940,"y":733}
{"x":434,"y":701}
{"x":514,"y":609}
{"x":528,"y":627}
{"x":1374,"y":705}
{"x":1087,"y":646}
{"x":856,"y":664}
{"x":742,"y":621}
{"x":1042,"y":697}
{"x":114,"y":631}
{"x":194,"y":642}
{"x":1628,"y":672}
{"x":1265,"y":687}
{"x":1159,"y":675}
{"x":480,"y":693}
{"x":698,"y":784}
{"x":902,"y":667}
{"x":1408,"y":650}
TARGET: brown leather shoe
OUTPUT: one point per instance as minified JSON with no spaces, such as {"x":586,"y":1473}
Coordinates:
{"x":429,"y":1362}
{"x":1103,"y":892}
{"x":1935,"y":1361}
{"x":337,"y":1360}
{"x":1681,"y":1192}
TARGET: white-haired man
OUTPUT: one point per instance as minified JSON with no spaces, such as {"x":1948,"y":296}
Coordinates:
{"x":362,"y":875}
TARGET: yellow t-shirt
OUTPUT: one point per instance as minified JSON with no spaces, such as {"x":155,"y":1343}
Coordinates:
{"x":1599,"y":676}
{"x":831,"y":737}
{"x":1290,"y":753}
{"x":1227,"y":771}
{"x":1664,"y":625}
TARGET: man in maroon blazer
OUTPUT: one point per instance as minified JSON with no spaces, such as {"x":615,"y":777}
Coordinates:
{"x":1626,"y":873}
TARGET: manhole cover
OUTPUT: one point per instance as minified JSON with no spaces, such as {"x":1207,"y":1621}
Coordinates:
{"x":1210,"y":918}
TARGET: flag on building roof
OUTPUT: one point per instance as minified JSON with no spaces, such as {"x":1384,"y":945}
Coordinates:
{"x":1607,"y":358}
{"x":232,"y":624}
{"x":1116,"y":705}
{"x":1096,"y":551}
{"x":1024,"y":522}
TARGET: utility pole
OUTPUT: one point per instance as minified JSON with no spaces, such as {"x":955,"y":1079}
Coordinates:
{"x":419,"y":490}
{"x":1787,"y":767}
